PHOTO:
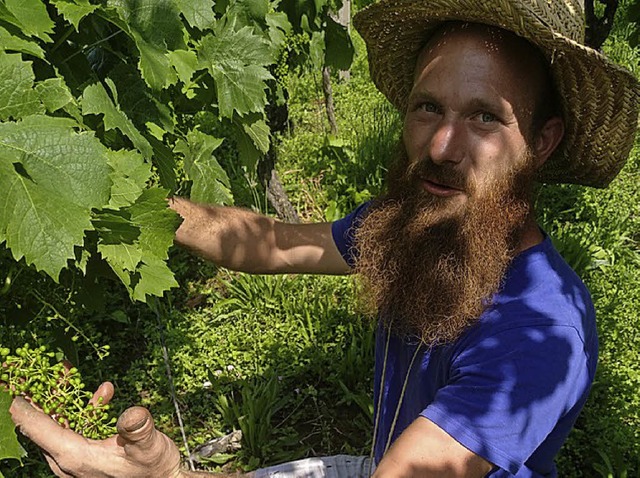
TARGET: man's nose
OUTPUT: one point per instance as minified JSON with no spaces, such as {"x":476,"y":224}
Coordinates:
{"x":446,"y":145}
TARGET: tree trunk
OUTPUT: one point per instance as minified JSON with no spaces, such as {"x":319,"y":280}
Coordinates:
{"x":276,"y":195}
{"x":344,"y":19}
{"x":278,"y":119}
{"x":328,"y":100}
{"x":598,"y":29}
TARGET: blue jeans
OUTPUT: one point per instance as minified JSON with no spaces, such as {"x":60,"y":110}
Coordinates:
{"x":339,"y":466}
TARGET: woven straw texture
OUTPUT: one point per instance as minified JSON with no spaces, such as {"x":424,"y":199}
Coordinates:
{"x":599,"y":99}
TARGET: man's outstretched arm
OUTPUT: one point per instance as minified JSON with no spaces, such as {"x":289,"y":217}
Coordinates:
{"x":242,"y":240}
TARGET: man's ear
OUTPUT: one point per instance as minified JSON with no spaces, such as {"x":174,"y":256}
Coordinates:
{"x":548,"y":139}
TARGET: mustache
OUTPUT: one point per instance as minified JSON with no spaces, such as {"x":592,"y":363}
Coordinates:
{"x":445,"y":174}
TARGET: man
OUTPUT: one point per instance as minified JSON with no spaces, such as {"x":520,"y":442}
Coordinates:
{"x":486,"y":347}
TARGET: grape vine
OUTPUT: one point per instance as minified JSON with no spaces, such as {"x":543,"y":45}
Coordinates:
{"x":56,"y":389}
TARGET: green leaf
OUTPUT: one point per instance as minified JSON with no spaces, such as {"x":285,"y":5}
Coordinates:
{"x":115,"y":227}
{"x":165,"y":163}
{"x":33,"y":17}
{"x":51,"y":178}
{"x":198,"y":13}
{"x":54,"y":94}
{"x":95,"y":100}
{"x":259,"y":132}
{"x":18,"y":99}
{"x":317,"y":49}
{"x":123,"y":257}
{"x":154,"y":64}
{"x":155,"y":278}
{"x":210,"y":182}
{"x":156,"y":21}
{"x":279,"y":28}
{"x":248,"y":153}
{"x":9,"y":445}
{"x":129,"y":177}
{"x":185,"y":63}
{"x":138,"y":102}
{"x":135,"y":241}
{"x":155,"y":26}
{"x":338,"y":47}
{"x":156,"y":221}
{"x":74,"y":10}
{"x":12,"y":42}
{"x":236,"y":61}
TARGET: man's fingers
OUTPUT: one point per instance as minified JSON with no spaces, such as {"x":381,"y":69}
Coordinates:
{"x":135,"y":425}
{"x":42,"y":430}
{"x":105,"y":391}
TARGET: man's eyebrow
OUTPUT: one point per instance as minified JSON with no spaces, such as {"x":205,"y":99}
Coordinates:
{"x":422,"y":95}
{"x":481,"y":104}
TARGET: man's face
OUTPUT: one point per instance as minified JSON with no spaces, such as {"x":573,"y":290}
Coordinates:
{"x":469,"y":113}
{"x":435,"y":247}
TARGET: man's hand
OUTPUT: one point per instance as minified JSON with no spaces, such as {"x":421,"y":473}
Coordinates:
{"x":137,"y":451}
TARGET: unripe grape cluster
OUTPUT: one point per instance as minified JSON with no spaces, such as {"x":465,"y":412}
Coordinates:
{"x":56,"y":389}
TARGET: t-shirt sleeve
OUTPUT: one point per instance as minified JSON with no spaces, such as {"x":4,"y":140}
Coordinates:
{"x":343,"y":231}
{"x":508,"y":391}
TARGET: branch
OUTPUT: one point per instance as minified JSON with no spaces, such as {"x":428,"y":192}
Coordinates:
{"x":598,"y":28}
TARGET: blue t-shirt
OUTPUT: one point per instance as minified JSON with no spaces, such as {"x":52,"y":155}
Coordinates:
{"x":511,"y":387}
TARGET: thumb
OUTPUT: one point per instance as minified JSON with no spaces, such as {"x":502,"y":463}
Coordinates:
{"x":135,"y":426}
{"x":146,"y":447}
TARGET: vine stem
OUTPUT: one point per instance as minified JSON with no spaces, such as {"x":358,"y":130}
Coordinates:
{"x":155,"y":306}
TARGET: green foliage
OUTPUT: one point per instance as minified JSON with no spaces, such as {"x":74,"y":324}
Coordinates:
{"x":95,"y":98}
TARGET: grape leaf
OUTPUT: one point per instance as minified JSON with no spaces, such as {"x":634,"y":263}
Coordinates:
{"x":155,"y":26}
{"x":248,"y":153}
{"x":33,"y":17}
{"x":9,"y":445}
{"x":129,"y":177}
{"x":54,"y":94}
{"x":165,"y":163}
{"x":338,"y":47}
{"x":135,"y":242}
{"x":138,"y":102}
{"x":155,"y":278}
{"x":156,"y":21}
{"x":198,"y":13}
{"x":185,"y":63}
{"x":210,"y":181}
{"x":12,"y":42}
{"x":236,"y":61}
{"x":258,"y":131}
{"x":279,"y":27}
{"x":95,"y":100}
{"x":51,"y":178}
{"x":156,"y":221}
{"x":17,"y":96}
{"x":74,"y":10}
{"x":154,"y":64}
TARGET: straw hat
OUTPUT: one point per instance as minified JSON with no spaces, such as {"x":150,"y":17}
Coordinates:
{"x":599,"y":99}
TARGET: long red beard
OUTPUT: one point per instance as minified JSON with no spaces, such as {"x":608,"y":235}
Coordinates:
{"x":431,"y":269}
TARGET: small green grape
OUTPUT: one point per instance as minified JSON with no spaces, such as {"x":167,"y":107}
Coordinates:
{"x":57,"y":390}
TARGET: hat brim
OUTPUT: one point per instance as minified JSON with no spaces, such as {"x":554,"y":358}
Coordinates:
{"x":599,"y":99}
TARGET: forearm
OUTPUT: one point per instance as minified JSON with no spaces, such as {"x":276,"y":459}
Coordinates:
{"x":234,"y":238}
{"x":244,"y":241}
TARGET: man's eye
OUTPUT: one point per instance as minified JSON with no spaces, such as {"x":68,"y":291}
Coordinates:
{"x":428,"y":107}
{"x":487,"y":117}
